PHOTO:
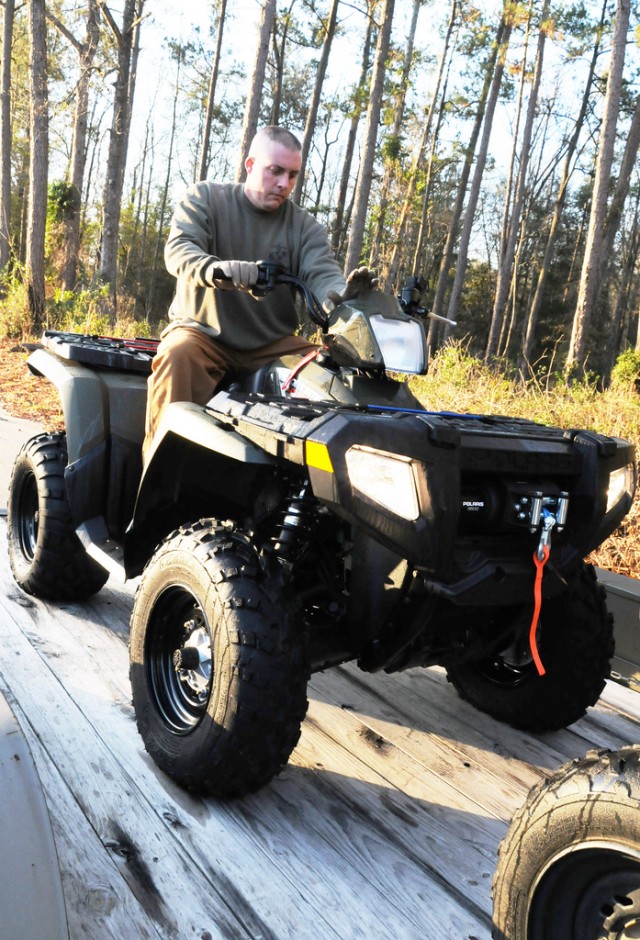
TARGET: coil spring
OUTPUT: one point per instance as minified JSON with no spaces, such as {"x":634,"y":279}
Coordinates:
{"x":296,"y":525}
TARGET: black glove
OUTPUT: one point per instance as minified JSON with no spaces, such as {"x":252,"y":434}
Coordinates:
{"x":358,"y":280}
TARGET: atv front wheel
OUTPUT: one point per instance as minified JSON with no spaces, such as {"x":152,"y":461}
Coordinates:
{"x":47,"y":558}
{"x":575,"y":645}
{"x":569,"y":867}
{"x":218,"y":669}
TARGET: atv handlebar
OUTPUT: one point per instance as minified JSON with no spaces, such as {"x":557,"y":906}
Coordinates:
{"x":271,"y":275}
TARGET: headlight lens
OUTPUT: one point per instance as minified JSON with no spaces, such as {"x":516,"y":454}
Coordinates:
{"x":387,"y":479}
{"x":621,"y":483}
{"x":401,"y":343}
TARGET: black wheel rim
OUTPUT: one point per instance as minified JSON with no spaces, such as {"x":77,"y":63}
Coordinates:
{"x":589,"y":894}
{"x":28,"y":516}
{"x":510,"y":667}
{"x":179,"y":659}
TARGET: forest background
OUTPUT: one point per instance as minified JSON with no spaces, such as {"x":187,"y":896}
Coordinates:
{"x":489,"y":146}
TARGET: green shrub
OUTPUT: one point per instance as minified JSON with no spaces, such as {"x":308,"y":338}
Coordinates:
{"x":627,"y":368}
{"x":15,"y":317}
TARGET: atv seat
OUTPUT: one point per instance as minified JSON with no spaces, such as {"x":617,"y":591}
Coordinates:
{"x":245,"y":381}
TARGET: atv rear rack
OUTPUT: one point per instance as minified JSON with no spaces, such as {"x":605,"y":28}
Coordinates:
{"x":108,"y":352}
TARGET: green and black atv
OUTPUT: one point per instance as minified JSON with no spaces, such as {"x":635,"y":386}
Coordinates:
{"x":311,"y":514}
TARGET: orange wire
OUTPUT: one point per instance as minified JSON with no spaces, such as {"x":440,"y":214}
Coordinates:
{"x":537,"y":599}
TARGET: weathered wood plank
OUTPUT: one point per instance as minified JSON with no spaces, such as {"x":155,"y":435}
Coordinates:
{"x":98,"y":900}
{"x":544,"y":751}
{"x":286,"y":856}
{"x":385,"y":823}
{"x":174,"y":893}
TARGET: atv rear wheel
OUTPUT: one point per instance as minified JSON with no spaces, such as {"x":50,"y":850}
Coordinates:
{"x":576,"y":646}
{"x":569,"y":867}
{"x":218,"y":669}
{"x":46,"y":556}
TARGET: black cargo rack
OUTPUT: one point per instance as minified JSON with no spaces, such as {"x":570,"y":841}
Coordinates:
{"x":107,"y":352}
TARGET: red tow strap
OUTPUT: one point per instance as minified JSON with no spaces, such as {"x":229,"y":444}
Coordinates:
{"x":537,"y":599}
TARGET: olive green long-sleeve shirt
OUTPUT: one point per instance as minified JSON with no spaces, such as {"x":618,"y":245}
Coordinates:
{"x":217,"y":222}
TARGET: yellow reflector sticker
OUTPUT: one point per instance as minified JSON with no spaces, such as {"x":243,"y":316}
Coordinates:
{"x":318,"y":456}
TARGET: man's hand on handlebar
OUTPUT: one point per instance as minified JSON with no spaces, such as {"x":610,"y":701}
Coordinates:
{"x":232,"y":275}
{"x":358,"y":280}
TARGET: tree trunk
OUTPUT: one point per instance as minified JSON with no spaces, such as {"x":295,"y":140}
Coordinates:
{"x":312,"y":113}
{"x":86,"y":54}
{"x":424,"y":226}
{"x":38,"y":163}
{"x":394,"y":263}
{"x":505,"y":271}
{"x":593,"y":259}
{"x":531,"y":322}
{"x":396,"y":135}
{"x":619,"y":314}
{"x":470,"y":150}
{"x":5,"y":135}
{"x":365,"y":177}
{"x":252,"y":108}
{"x":126,"y":39}
{"x":280,"y":59}
{"x":339,"y":224}
{"x":611,"y":227}
{"x":481,"y":160}
{"x":165,"y":192}
{"x":213,"y":81}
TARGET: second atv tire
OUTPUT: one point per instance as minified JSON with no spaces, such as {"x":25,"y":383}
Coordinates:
{"x":575,"y":645}
{"x":569,"y":867}
{"x":218,"y":666}
{"x":47,"y":558}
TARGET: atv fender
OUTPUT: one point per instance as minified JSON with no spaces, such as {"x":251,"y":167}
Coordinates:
{"x":193,"y":423}
{"x":196,"y":466}
{"x":96,"y":403}
{"x":81,"y":397}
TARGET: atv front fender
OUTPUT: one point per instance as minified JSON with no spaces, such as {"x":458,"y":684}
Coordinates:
{"x":192,"y":423}
{"x":196,"y":468}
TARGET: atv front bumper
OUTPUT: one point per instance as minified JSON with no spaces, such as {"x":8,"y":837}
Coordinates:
{"x":461,"y":498}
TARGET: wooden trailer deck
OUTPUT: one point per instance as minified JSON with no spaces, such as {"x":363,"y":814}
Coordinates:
{"x":385,"y":823}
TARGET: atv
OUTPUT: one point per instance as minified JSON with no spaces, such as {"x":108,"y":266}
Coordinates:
{"x":311,"y":514}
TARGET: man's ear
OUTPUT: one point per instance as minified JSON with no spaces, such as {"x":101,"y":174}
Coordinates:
{"x":248,"y":164}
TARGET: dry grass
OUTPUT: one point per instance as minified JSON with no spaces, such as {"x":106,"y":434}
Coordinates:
{"x":455,"y":382}
{"x":25,"y":395}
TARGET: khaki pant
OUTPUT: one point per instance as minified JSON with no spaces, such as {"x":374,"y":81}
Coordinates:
{"x":189,"y":365}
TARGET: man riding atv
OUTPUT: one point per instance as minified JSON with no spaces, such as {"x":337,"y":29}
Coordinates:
{"x":218,"y":325}
{"x":313,"y":512}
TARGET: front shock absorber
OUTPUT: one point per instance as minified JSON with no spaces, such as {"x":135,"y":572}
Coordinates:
{"x":296,"y":525}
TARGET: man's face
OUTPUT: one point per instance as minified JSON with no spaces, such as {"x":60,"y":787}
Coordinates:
{"x":272,"y":171}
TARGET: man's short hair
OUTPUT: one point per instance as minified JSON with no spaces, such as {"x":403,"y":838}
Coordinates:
{"x":280,"y":135}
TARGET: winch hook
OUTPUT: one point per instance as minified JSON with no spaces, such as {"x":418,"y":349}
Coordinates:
{"x":548,"y":522}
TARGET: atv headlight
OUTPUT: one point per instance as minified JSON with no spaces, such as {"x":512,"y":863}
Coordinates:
{"x":387,"y":479}
{"x":621,"y":483}
{"x":402,"y":343}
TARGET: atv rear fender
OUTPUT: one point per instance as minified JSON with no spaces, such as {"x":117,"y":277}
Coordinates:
{"x":104,"y":421}
{"x":82,"y":397}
